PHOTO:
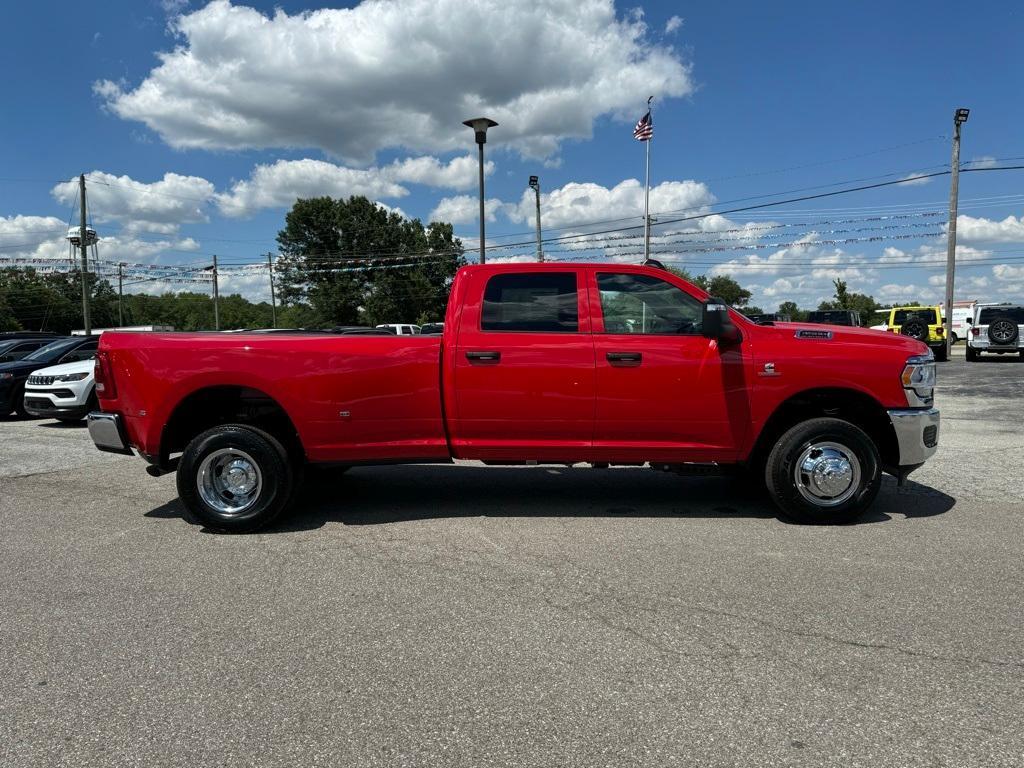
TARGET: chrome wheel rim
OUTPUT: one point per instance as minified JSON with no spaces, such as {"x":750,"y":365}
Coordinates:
{"x":229,"y":481}
{"x":827,"y":474}
{"x":1001,"y":331}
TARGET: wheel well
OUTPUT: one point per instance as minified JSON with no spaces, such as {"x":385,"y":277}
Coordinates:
{"x":856,"y":407}
{"x":213,"y":406}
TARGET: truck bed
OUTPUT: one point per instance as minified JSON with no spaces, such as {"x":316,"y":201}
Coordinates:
{"x":349,"y":397}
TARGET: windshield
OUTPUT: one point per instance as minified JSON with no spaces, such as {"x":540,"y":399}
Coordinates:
{"x":52,"y":350}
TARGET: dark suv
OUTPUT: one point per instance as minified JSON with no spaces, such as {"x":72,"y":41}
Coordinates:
{"x":835,"y":317}
{"x":13,"y":374}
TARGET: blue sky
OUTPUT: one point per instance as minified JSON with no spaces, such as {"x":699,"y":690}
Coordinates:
{"x":253,"y":105}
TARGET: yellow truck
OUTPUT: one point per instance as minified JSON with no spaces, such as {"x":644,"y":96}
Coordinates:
{"x":921,"y":323}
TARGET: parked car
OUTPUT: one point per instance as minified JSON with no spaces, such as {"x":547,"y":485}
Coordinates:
{"x":431,"y":329}
{"x":850,"y":317}
{"x":13,"y":375}
{"x":12,"y":350}
{"x":996,"y":328}
{"x":65,"y":392}
{"x":528,"y":370}
{"x":13,"y":335}
{"x":920,"y":323}
{"x":362,"y":330}
{"x":768,"y":318}
{"x":401,"y":329}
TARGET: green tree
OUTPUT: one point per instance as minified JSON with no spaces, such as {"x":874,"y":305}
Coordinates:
{"x":725,"y":288}
{"x":792,"y":311}
{"x":862,"y":303}
{"x":8,"y":322}
{"x":354,"y":262}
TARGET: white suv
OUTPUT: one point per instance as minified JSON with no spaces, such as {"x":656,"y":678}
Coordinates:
{"x":996,"y":328}
{"x":65,"y":392}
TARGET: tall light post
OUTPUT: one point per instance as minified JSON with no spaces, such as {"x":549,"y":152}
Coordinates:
{"x":535,"y":186}
{"x":959,"y":118}
{"x":480,"y":126}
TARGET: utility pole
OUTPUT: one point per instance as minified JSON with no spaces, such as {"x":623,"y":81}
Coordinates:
{"x":216,"y":297}
{"x":120,"y":294}
{"x":273,"y":302}
{"x":535,"y":184}
{"x":84,"y":242}
{"x":959,"y":118}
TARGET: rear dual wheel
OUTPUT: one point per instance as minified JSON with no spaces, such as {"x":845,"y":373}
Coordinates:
{"x":235,"y":478}
{"x":823,"y":470}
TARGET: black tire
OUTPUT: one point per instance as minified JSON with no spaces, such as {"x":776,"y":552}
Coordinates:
{"x":915,"y":329}
{"x":1002,"y":330}
{"x":19,"y":403}
{"x":941,"y":355}
{"x":251,"y":448}
{"x":971,"y":354}
{"x":822,"y":435}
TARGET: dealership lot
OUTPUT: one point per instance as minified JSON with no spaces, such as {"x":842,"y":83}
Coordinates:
{"x":517,"y":616}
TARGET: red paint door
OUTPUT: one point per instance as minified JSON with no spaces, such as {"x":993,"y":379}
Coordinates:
{"x":664,"y":391}
{"x":524,"y":367}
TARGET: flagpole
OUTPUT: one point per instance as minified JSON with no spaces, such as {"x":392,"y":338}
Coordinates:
{"x":647,"y":191}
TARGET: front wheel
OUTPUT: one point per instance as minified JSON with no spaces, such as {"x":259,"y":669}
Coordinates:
{"x":235,"y":478}
{"x":823,"y":471}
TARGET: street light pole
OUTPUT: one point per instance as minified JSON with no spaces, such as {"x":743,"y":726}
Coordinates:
{"x":959,"y":118}
{"x":535,"y":185}
{"x":83,"y":236}
{"x":480,"y":126}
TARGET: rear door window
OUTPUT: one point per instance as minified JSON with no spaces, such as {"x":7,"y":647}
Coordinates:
{"x":545,"y":302}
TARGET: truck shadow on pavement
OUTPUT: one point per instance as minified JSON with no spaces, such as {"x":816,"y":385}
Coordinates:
{"x":385,"y":495}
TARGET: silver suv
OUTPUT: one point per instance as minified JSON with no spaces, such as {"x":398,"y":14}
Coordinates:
{"x":997,"y":328}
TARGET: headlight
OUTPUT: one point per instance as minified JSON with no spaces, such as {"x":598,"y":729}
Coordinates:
{"x":71,"y":377}
{"x":5,"y":376}
{"x":919,"y":379}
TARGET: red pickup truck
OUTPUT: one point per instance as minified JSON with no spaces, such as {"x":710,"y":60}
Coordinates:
{"x":538,"y":363}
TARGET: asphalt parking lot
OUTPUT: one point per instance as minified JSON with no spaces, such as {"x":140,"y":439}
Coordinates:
{"x":469,"y":616}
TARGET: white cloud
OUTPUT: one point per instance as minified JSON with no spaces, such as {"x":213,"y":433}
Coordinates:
{"x":160,"y":207}
{"x":1009,"y":230}
{"x":280,"y":184}
{"x":398,"y":74}
{"x":580,"y":203}
{"x":915,"y":179}
{"x":173,"y":7}
{"x":673,"y":25}
{"x":984,"y":161}
{"x":458,"y":173}
{"x":465,"y":209}
{"x":1008,"y":272}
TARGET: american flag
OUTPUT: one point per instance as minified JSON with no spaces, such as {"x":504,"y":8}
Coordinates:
{"x":644,"y":130}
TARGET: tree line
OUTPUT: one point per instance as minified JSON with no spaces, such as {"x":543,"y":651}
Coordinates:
{"x":340,"y":262}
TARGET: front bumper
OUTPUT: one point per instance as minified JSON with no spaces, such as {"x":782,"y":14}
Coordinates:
{"x":107,"y":432}
{"x":917,"y":434}
{"x":44,"y":407}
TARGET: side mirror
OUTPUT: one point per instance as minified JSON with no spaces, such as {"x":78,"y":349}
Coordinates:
{"x":717,"y":324}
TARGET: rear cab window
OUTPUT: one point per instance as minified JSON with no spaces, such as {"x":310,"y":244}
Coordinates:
{"x":532,"y":302}
{"x":988,"y":314}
